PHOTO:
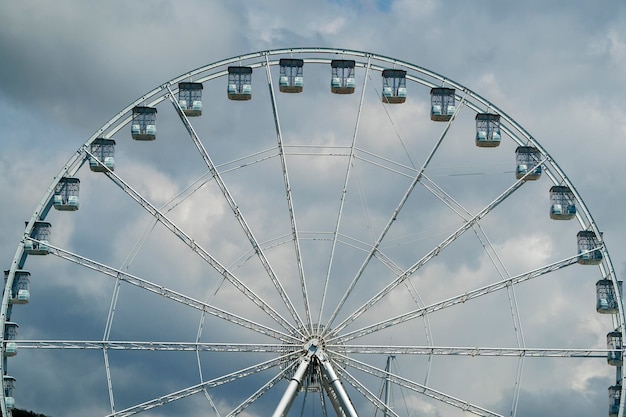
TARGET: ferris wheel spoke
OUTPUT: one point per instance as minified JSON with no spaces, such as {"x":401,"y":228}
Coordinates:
{"x":238,"y":215}
{"x":198,"y":388}
{"x":365,"y":392}
{"x":290,"y":207}
{"x":490,"y":250}
{"x":392,"y":219}
{"x":155,"y":346}
{"x":261,"y":391}
{"x":169,"y":294}
{"x":470,"y":351}
{"x":433,"y":253}
{"x":196,"y":248}
{"x":418,"y":388}
{"x":488,"y":289}
{"x":344,"y":190}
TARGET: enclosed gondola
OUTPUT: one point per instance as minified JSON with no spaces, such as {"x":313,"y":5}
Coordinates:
{"x":528,"y":159}
{"x":190,"y":98}
{"x":291,"y":78}
{"x":487,"y":130}
{"x":588,"y":248}
{"x":394,"y":86}
{"x":442,"y":104}
{"x":239,"y":83}
{"x":102,"y":156}
{"x":143,"y":124}
{"x":10,"y":334}
{"x":562,"y":203}
{"x":615,"y":393}
{"x":8,"y":383}
{"x":41,"y":235}
{"x":614,"y":346}
{"x":606,"y":298}
{"x":20,"y":290}
{"x":342,"y":79}
{"x":65,"y":196}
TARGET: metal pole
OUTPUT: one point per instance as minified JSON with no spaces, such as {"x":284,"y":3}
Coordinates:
{"x":292,"y":389}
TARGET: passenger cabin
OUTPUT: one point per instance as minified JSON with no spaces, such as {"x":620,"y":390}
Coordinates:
{"x":291,"y":79}
{"x":588,"y":248}
{"x":190,"y":98}
{"x":41,"y":232}
{"x":8,"y":383}
{"x":10,"y":334}
{"x":342,"y":76}
{"x":20,"y":290}
{"x":65,"y":196}
{"x":615,"y":393}
{"x":606,"y":297}
{"x":528,"y":159}
{"x":487,"y":130}
{"x":239,"y":83}
{"x":103,"y":151}
{"x":394,"y":86}
{"x":562,"y":203}
{"x":614,"y":345}
{"x":143,"y":125}
{"x":442,"y":104}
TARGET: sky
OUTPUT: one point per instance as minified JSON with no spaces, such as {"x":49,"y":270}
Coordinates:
{"x":68,"y":67}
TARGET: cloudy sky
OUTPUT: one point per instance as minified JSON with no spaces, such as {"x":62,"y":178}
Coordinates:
{"x":68,"y":67}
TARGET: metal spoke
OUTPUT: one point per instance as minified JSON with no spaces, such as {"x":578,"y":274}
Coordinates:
{"x":238,"y":215}
{"x":195,"y":389}
{"x":455,"y":300}
{"x":261,"y":391}
{"x":391,"y":220}
{"x":362,"y":389}
{"x":196,"y":248}
{"x":419,"y":388}
{"x":344,"y":190}
{"x":155,"y":346}
{"x":470,"y":351}
{"x":292,"y":215}
{"x":167,"y":293}
{"x":433,"y":253}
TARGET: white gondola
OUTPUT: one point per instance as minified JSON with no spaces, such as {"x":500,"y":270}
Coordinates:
{"x":487,"y":130}
{"x":442,"y":104}
{"x":342,"y":79}
{"x":562,"y":203}
{"x":65,"y":196}
{"x":588,"y":248}
{"x":190,"y":98}
{"x":41,"y":232}
{"x":8,"y":383}
{"x":394,"y":86}
{"x":143,"y":124}
{"x":291,"y":78}
{"x":615,"y":393}
{"x":20,"y":290}
{"x":103,"y":151}
{"x":606,"y":298}
{"x":528,"y":159}
{"x":10,"y":334}
{"x":614,"y":345}
{"x":239,"y":83}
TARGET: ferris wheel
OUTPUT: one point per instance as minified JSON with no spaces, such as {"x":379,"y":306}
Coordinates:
{"x":305,"y":232}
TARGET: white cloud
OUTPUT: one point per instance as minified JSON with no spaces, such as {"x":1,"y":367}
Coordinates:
{"x":71,"y":66}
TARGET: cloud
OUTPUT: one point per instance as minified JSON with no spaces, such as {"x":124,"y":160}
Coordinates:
{"x":70,"y":67}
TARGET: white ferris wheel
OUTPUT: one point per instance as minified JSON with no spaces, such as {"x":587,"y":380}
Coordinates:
{"x":252,"y":241}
